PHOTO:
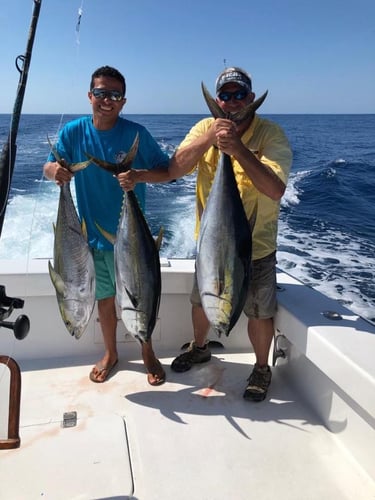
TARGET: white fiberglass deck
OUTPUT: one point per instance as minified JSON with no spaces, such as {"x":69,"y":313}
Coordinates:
{"x":192,"y":438}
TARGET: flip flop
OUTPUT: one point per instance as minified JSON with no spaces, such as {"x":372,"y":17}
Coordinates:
{"x":154,"y":378}
{"x":100,"y":368}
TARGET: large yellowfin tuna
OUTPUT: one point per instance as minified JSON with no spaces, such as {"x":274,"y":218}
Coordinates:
{"x":137,"y":263}
{"x":224,"y":243}
{"x":73,"y":272}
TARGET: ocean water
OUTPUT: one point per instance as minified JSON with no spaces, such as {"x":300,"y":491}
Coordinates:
{"x":326,"y":233}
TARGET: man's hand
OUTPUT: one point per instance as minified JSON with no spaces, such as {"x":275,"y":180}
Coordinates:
{"x":128,"y":179}
{"x":62,"y":174}
{"x":227,"y":137}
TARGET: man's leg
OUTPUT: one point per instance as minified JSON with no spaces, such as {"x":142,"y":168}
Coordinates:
{"x":260,"y":308}
{"x":260,"y":333}
{"x":201,"y":325}
{"x":108,"y":323}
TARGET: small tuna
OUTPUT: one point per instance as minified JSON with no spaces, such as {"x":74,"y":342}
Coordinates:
{"x":73,"y":272}
{"x":137,"y":263}
{"x":224,"y":243}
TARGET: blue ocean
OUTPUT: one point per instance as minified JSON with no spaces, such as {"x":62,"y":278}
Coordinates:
{"x":326,"y":233}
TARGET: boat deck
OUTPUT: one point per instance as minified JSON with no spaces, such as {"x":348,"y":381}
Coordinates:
{"x":192,"y":438}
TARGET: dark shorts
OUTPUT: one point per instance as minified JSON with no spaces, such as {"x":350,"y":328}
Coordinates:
{"x":105,"y":274}
{"x":261,"y":300}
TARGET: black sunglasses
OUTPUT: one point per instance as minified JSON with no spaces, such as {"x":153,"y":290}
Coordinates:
{"x":114,"y":95}
{"x":238,"y":95}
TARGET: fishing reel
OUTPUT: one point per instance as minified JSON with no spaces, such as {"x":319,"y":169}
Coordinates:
{"x":21,"y":326}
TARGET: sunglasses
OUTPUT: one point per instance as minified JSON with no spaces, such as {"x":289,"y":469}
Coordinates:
{"x":238,"y":95}
{"x":114,"y":95}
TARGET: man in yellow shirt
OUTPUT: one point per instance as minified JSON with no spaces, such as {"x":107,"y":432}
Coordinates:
{"x":261,"y":159}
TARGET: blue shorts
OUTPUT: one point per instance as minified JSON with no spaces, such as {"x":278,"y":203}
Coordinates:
{"x":261,"y":302}
{"x":105,"y":274}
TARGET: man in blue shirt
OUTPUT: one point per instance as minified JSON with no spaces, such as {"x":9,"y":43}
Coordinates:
{"x":108,"y":136}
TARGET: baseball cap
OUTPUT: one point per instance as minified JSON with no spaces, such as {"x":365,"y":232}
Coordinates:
{"x":233,"y":75}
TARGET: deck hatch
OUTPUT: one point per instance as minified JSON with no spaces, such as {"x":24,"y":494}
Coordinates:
{"x":89,"y":460}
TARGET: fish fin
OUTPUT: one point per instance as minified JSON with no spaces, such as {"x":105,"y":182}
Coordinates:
{"x":54,"y":151}
{"x":132,"y":298}
{"x":213,"y":106}
{"x":238,"y":117}
{"x":110,"y":237}
{"x":248,"y":110}
{"x":84,"y":229}
{"x":76,"y":167}
{"x":125,"y":164}
{"x":110,"y":167}
{"x":56,"y":279}
{"x":159,"y":238}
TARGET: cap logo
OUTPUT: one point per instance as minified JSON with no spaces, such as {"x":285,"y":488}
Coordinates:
{"x":233,"y":77}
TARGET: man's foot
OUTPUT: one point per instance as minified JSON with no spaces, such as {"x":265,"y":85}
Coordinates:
{"x":259,"y":382}
{"x":101,"y":371}
{"x":155,"y":371}
{"x":156,"y":375}
{"x":193,"y":355}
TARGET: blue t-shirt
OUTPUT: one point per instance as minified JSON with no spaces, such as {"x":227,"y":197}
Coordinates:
{"x":99,"y":195}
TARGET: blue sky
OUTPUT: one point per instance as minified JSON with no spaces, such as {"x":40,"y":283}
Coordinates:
{"x":313,"y":56}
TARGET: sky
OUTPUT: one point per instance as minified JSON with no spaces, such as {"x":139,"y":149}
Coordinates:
{"x":312,"y":56}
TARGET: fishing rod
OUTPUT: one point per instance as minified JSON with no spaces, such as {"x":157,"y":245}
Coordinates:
{"x":21,"y":326}
{"x":8,"y":154}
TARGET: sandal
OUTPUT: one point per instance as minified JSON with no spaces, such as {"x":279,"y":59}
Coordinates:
{"x":98,"y":371}
{"x":192,"y":356}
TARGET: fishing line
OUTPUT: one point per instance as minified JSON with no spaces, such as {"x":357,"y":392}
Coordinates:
{"x":78,"y":25}
{"x":8,"y":155}
{"x":78,"y":43}
{"x":4,"y":205}
{"x":5,"y":365}
{"x":39,"y":194}
{"x":6,"y":201}
{"x":19,"y":62}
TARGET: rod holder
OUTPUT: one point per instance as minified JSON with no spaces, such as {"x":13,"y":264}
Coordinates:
{"x":278,"y":351}
{"x":20,"y":327}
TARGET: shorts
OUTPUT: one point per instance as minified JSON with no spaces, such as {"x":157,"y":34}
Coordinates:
{"x":261,"y":301}
{"x":105,"y":274}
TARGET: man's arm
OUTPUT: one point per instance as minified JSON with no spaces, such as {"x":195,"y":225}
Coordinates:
{"x":182,"y":162}
{"x":154,"y":175}
{"x":53,"y":171}
{"x":185,"y":158}
{"x":261,"y":175}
